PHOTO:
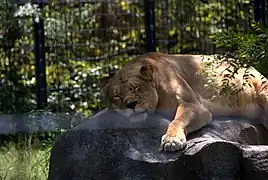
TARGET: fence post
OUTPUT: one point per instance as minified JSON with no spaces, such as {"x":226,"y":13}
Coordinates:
{"x":260,"y":11}
{"x":150,"y":25}
{"x":40,"y":73}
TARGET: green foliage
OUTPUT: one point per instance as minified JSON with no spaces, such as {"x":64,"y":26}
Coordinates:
{"x":8,"y":26}
{"x":246,"y":47}
{"x":71,"y":33}
{"x":25,"y":162}
{"x":85,"y":40}
{"x":188,"y":24}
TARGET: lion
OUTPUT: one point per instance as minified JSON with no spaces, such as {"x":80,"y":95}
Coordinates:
{"x":190,"y":88}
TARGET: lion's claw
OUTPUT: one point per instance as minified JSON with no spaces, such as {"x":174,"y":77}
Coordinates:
{"x":173,"y":143}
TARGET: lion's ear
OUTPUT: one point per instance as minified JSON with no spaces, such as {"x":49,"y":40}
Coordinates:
{"x":104,"y":81}
{"x":105,"y":90}
{"x":147,"y":71}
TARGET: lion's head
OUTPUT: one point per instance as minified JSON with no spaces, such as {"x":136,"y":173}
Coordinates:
{"x":133,"y":87}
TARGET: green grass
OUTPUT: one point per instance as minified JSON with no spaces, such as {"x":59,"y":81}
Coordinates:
{"x":24,"y":162}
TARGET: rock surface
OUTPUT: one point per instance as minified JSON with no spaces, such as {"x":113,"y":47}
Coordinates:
{"x":110,"y":146}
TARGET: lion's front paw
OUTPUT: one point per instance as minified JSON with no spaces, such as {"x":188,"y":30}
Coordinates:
{"x":173,"y":143}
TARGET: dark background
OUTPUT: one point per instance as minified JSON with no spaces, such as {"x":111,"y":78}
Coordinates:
{"x":54,"y":55}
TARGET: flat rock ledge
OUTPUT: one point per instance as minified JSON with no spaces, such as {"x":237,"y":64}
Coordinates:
{"x":112,"y":147}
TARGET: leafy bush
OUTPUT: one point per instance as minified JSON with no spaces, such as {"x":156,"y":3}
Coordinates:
{"x":25,"y":162}
{"x":250,"y":48}
{"x":85,"y":40}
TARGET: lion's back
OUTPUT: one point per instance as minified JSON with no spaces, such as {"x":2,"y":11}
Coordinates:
{"x":234,"y":86}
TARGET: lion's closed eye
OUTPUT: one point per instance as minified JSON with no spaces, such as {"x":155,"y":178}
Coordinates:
{"x":135,"y":87}
{"x":116,"y":97}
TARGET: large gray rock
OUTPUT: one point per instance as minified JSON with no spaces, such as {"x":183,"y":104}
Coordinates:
{"x":112,"y":147}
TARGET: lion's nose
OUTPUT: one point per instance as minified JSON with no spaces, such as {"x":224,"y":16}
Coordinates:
{"x":131,"y":105}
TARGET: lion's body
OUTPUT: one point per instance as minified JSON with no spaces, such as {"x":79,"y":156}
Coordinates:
{"x":194,"y":87}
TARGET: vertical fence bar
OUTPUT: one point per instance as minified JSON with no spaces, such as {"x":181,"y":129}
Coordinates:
{"x":150,"y":25}
{"x":41,"y":94}
{"x":259,"y":11}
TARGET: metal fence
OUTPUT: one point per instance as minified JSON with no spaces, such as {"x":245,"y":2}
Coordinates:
{"x":54,"y":54}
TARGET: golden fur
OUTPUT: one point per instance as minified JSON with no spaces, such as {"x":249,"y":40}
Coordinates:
{"x":194,"y":87}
